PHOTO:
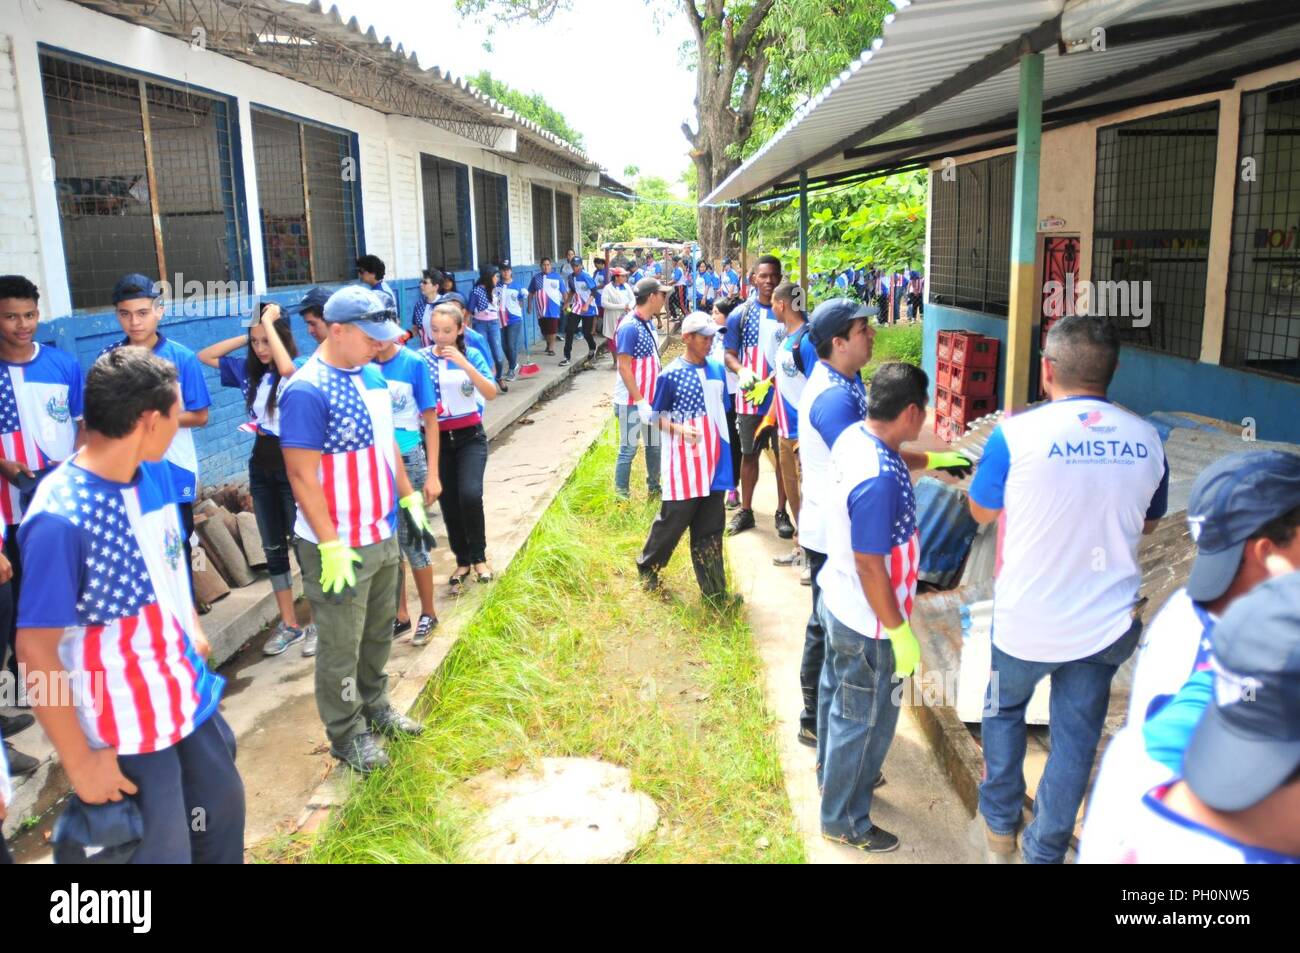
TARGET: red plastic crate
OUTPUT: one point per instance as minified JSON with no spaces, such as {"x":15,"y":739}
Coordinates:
{"x":946,"y":430}
{"x":942,"y":402}
{"x":974,"y":350}
{"x":944,"y":348}
{"x":943,"y":374}
{"x":963,"y":409}
{"x":970,"y":381}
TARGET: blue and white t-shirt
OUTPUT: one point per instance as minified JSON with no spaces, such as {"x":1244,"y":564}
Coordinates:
{"x":790,"y":381}
{"x":346,"y":415}
{"x":182,"y":456}
{"x":411,"y":389}
{"x":480,"y":305}
{"x":583,"y":287}
{"x":829,"y":405}
{"x":234,"y":373}
{"x":753,"y":332}
{"x":1075,"y":480}
{"x":458,"y":401}
{"x":871,"y":509}
{"x":730,"y":282}
{"x":636,"y":338}
{"x":113,"y":578}
{"x":1166,"y":837}
{"x":694,"y":395}
{"x":40,"y":404}
{"x":546,"y":294}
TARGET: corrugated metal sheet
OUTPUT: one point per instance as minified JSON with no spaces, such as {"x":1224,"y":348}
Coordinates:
{"x":946,"y":528}
{"x":930,"y":41}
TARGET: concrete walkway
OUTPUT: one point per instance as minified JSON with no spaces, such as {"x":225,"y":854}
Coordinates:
{"x":917,"y":802}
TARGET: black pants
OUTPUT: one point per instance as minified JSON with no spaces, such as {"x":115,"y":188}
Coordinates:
{"x":187,"y":530}
{"x":571,"y":324}
{"x":814,"y":647}
{"x":462,"y":459}
{"x":9,"y":606}
{"x":734,"y":434}
{"x":705,"y":517}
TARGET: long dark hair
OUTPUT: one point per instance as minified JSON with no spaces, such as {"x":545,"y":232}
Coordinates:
{"x":453,"y":310}
{"x":255,"y":369}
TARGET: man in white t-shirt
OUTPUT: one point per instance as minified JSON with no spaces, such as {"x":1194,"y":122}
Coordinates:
{"x":1076,"y":482}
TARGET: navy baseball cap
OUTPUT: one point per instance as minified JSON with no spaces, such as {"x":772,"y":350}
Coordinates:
{"x":371,"y":313}
{"x":832,"y":318}
{"x":107,"y":833}
{"x":455,"y":297}
{"x":130,"y":287}
{"x":726,"y":261}
{"x":1248,"y":741}
{"x":1231,"y":500}
{"x":314,"y":299}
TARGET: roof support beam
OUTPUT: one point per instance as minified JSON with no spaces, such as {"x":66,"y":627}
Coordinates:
{"x":1025,"y":297}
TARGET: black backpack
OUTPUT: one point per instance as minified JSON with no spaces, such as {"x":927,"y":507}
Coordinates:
{"x":796,"y":344}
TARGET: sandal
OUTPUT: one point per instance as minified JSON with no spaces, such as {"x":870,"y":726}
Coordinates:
{"x":483,"y":577}
{"x":457,"y":581}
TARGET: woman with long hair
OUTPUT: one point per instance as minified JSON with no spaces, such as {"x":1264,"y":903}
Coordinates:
{"x":487,"y":319}
{"x":462,"y":381}
{"x":261,"y":375}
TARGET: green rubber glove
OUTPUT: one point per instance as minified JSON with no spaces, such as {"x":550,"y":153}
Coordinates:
{"x":758,"y":393}
{"x":907,"y":651}
{"x":413,"y":503}
{"x":745,"y":378}
{"x":336,"y":573}
{"x":949,"y":461}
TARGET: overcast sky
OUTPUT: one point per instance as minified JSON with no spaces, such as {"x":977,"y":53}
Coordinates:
{"x":624,"y":49}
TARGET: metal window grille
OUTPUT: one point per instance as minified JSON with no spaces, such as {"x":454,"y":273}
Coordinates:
{"x":446,"y":213}
{"x":491,"y":217}
{"x":970,"y":236}
{"x":543,"y":223}
{"x":1262,"y":321}
{"x":563,"y":223}
{"x":306,"y":184}
{"x":144,"y":176}
{"x":1154,"y":192}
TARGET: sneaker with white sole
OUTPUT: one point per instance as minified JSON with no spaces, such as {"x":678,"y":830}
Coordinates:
{"x":424,"y":629}
{"x":284,"y":636}
{"x":309,"y":640}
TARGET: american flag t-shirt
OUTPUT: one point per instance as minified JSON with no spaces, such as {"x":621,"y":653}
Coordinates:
{"x":693,"y":395}
{"x":17,"y":444}
{"x":636,"y":338}
{"x":758,"y":330}
{"x":347,"y":416}
{"x":114,"y":579}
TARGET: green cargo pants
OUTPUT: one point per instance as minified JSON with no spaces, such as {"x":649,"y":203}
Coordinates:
{"x":355,"y":637}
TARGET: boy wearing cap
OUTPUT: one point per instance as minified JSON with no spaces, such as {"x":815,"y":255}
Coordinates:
{"x":1244,"y":514}
{"x":546,"y":294}
{"x":312,"y":309}
{"x":138,"y":303}
{"x":580,"y":309}
{"x":112,"y":608}
{"x":729,"y":280}
{"x":1238,"y":801}
{"x":1079,"y":480}
{"x":617,"y":299}
{"x":635,"y":386}
{"x":695,"y":462}
{"x":336,"y":430}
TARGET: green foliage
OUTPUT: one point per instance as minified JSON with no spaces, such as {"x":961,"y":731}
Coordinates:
{"x":529,"y":105}
{"x":902,"y":342}
{"x":614,"y":220}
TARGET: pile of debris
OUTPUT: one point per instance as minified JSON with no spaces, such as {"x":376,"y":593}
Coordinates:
{"x":229,"y":549}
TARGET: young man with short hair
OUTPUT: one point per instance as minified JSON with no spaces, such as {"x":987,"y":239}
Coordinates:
{"x":371,"y":270}
{"x":546,"y":293}
{"x":795,"y":358}
{"x":336,"y":430}
{"x":696,"y":463}
{"x":139,"y":306}
{"x":312,"y":309}
{"x":112,"y":607}
{"x":635,"y":386}
{"x":580,"y":310}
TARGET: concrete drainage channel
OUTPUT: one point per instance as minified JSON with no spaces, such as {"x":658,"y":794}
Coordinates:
{"x":270,"y":702}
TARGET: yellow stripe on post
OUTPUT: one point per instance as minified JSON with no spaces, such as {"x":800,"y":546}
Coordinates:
{"x":1025,"y":296}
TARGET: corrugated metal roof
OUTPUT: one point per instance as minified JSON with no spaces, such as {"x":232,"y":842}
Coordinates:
{"x":928,"y":43}
{"x":946,"y":527}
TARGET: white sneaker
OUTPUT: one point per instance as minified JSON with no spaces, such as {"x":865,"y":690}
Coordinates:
{"x":309,"y":641}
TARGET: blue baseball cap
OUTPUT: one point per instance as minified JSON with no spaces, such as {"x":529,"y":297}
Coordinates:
{"x":107,"y":833}
{"x":130,"y":287}
{"x":453,"y":296}
{"x":360,"y":306}
{"x":1231,"y":500}
{"x":832,"y":318}
{"x":1248,"y":741}
{"x":314,"y":299}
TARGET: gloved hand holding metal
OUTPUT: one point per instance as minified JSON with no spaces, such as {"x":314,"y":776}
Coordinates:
{"x":336,"y":572}
{"x":949,"y":461}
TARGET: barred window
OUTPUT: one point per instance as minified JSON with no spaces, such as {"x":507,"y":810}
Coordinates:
{"x":563,"y":223}
{"x":307,"y":187}
{"x":543,"y":223}
{"x":1151,"y":227}
{"x":144,"y":176}
{"x":970,"y":236}
{"x":446,"y":213}
{"x":491,"y":218}
{"x":1262,"y":321}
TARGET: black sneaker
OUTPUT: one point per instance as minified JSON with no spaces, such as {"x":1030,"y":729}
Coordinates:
{"x":424,"y":629}
{"x":20,"y":765}
{"x":743,"y":520}
{"x":501,"y":386}
{"x":394,"y":724}
{"x":807,"y":737}
{"x":784,"y":528}
{"x":875,"y":841}
{"x":362,"y":754}
{"x":399,"y":627}
{"x":564,"y":363}
{"x":12,"y":724}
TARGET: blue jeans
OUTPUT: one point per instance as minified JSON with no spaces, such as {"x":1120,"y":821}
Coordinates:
{"x":1080,"y":697}
{"x":276,"y":512}
{"x":411,"y":545}
{"x":630,"y":434}
{"x":492,"y":331}
{"x":856,"y":718}
{"x":512,"y":336}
